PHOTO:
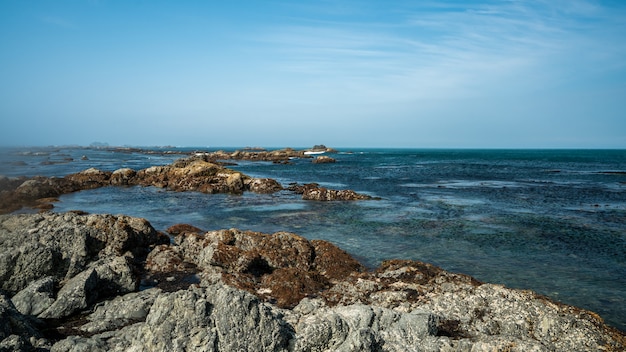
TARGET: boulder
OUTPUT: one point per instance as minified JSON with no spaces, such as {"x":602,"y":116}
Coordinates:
{"x":76,"y":295}
{"x":323,"y":159}
{"x":36,"y":297}
{"x":38,"y":187}
{"x":89,"y":179}
{"x":235,"y":182}
{"x":105,"y":278}
{"x":215,"y":318}
{"x":122,"y":177}
{"x":263,"y":185}
{"x":177,"y":229}
{"x":61,"y":246}
{"x":360,"y":327}
{"x":120,"y":312}
{"x":18,"y":332}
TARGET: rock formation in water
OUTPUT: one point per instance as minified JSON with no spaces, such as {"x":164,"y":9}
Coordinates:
{"x":276,"y":156}
{"x":71,"y":282}
{"x":323,"y":159}
{"x":313,"y":191}
{"x":187,"y":174}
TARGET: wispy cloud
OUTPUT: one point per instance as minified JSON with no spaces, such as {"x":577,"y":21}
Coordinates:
{"x":432,"y":49}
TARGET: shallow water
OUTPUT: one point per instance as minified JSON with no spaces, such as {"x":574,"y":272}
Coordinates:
{"x":548,"y":220}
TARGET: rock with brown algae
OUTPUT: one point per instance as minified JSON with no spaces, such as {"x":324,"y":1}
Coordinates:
{"x":231,"y":290}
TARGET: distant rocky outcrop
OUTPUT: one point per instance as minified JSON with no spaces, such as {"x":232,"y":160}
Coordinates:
{"x":183,"y":175}
{"x":323,"y":159}
{"x":258,"y":154}
{"x":187,"y":174}
{"x":276,"y":156}
{"x":322,"y":148}
{"x":313,"y":191}
{"x":71,"y":283}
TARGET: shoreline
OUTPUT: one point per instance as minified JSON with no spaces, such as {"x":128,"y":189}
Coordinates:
{"x":297,"y":283}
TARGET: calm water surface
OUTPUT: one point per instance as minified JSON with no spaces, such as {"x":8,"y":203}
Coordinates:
{"x":553,"y":221}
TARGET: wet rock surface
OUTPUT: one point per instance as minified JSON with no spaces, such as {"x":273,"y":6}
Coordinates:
{"x":70,"y":282}
{"x":323,"y":159}
{"x":276,"y":156}
{"x":313,"y":191}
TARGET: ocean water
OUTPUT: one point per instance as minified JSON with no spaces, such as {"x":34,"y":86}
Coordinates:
{"x":553,"y":221}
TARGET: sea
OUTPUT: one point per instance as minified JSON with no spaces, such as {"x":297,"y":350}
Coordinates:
{"x":551,"y":221}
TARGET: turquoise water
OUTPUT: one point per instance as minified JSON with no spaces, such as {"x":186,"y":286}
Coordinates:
{"x":553,"y":221}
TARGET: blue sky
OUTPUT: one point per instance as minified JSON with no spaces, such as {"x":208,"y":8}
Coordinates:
{"x":487,"y":74}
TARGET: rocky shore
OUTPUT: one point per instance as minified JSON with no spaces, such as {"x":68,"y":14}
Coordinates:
{"x":201,"y":173}
{"x":81,"y":282}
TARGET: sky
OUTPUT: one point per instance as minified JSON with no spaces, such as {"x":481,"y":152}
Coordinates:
{"x":344,"y":73}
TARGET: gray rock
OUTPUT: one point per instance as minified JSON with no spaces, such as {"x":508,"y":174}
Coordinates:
{"x":74,"y":296}
{"x":216,"y":318}
{"x":121,"y":311}
{"x":362,"y":328}
{"x":104,"y":278}
{"x":36,"y":297}
{"x":33,"y":246}
{"x":80,"y":344}
{"x":17,"y":332}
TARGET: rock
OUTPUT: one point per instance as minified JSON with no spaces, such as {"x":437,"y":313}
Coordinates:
{"x":37,"y":188}
{"x":263,"y":185}
{"x":89,"y":179}
{"x":177,"y":229}
{"x":10,"y":183}
{"x":277,"y":156}
{"x":323,"y":159}
{"x":323,"y":194}
{"x":312,"y":191}
{"x":281,"y":268}
{"x":332,"y":262}
{"x":121,"y":311}
{"x":18,"y":332}
{"x":75,"y":295}
{"x":80,"y":344}
{"x":106,"y":277}
{"x":235,"y":183}
{"x":122,"y":177}
{"x":190,"y":174}
{"x":36,"y":297}
{"x":193,"y":175}
{"x":363,"y":328}
{"x":216,"y":318}
{"x":165,"y":258}
{"x":35,"y":246}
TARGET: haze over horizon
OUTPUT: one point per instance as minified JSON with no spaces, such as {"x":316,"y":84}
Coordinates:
{"x":444,"y":74}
